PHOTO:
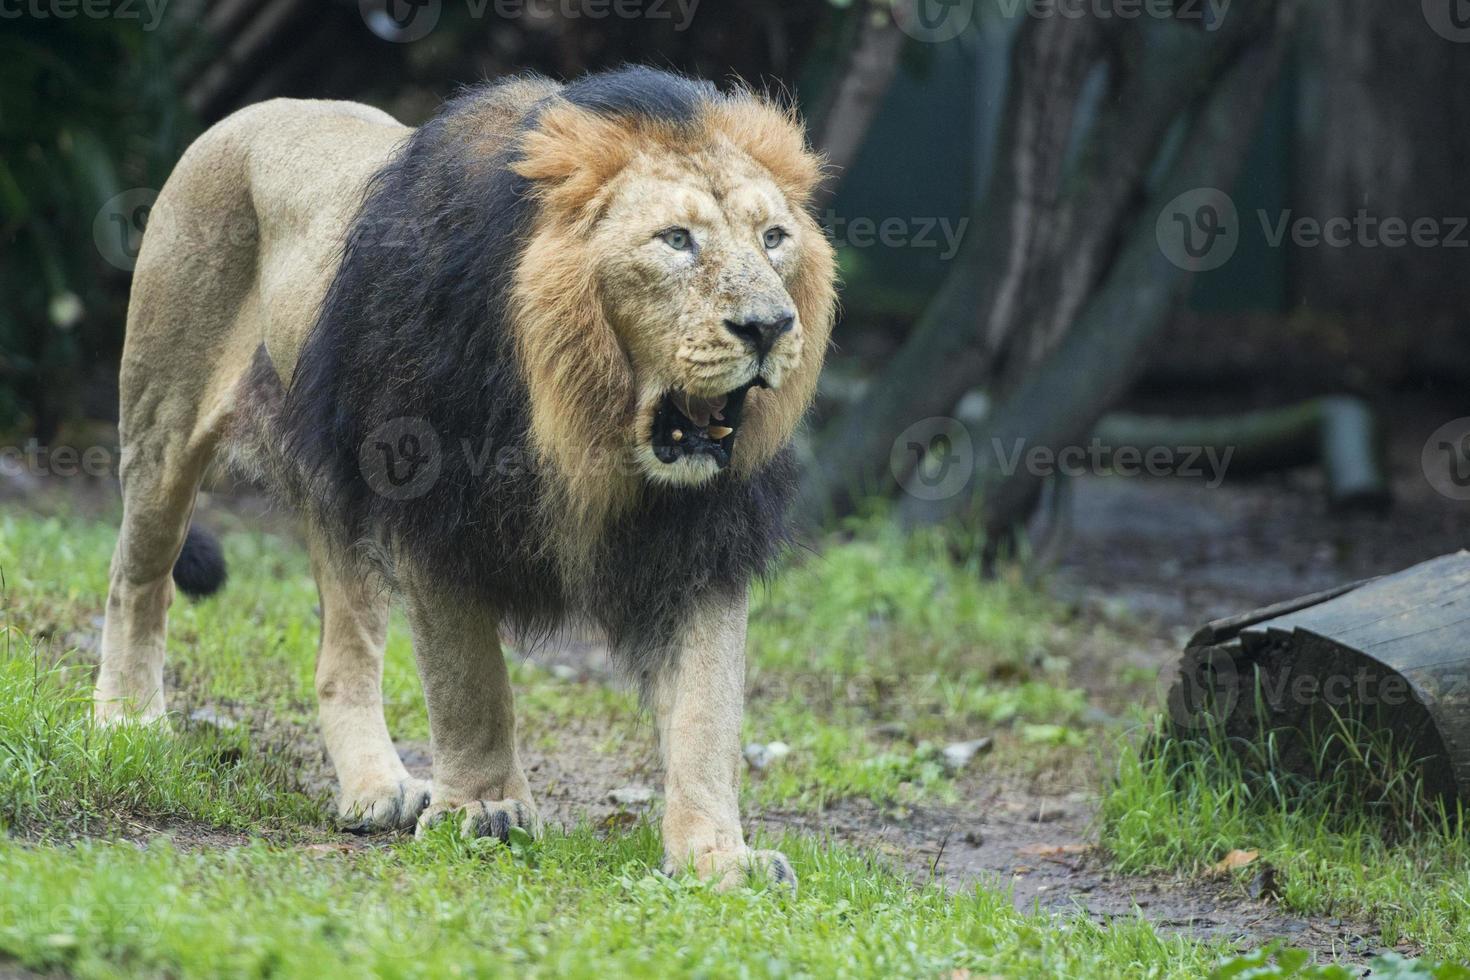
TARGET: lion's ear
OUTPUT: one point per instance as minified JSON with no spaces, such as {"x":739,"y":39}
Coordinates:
{"x":571,"y":154}
{"x":774,"y":138}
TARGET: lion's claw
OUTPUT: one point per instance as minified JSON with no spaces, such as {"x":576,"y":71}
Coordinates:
{"x":394,"y":807}
{"x":731,"y":869}
{"x":484,"y":818}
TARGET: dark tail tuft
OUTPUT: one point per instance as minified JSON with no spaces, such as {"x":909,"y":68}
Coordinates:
{"x":200,"y":568}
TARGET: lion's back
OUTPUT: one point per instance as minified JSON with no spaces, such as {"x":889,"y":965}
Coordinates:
{"x":286,"y":164}
{"x":244,"y":236}
{"x":263,"y":201}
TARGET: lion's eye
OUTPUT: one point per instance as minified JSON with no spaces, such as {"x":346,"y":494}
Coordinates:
{"x":678,"y":239}
{"x":774,"y":237}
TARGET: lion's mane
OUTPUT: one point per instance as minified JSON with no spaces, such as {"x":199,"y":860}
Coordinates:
{"x":418,"y":324}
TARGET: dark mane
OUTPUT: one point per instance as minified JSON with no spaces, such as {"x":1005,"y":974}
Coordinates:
{"x":412,"y":338}
{"x":639,"y":91}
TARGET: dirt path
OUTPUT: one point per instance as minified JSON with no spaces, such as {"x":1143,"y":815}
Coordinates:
{"x":999,"y":835}
{"x":1180,"y":553}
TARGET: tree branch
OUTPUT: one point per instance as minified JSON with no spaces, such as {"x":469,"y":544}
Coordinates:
{"x":859,"y":93}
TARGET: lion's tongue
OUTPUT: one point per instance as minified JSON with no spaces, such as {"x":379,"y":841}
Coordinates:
{"x":699,"y":410}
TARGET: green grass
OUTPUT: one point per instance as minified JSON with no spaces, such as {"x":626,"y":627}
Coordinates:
{"x":59,"y":774}
{"x":886,"y":631}
{"x":1357,"y":840}
{"x":876,"y":631}
{"x":572,"y":904}
{"x":249,"y":888}
{"x":199,"y":853}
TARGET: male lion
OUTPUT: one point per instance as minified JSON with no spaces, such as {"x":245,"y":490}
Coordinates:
{"x":536,"y":362}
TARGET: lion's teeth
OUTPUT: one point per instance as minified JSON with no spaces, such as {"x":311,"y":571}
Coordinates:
{"x":719,"y":431}
{"x":677,"y":435}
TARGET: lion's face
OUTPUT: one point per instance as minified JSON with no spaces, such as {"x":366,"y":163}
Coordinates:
{"x":675,"y":300}
{"x":694,"y":257}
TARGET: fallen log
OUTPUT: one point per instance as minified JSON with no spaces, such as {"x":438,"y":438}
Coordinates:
{"x":1339,"y":432}
{"x":1380,"y":663}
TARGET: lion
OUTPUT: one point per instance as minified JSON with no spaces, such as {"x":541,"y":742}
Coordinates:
{"x":535,"y":364}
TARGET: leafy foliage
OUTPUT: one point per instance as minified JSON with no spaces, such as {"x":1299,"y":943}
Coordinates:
{"x":87,"y":110}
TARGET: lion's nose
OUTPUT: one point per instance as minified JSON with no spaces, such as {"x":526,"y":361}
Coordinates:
{"x":761,"y":334}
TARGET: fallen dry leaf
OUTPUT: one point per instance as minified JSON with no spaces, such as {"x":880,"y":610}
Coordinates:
{"x":619,"y":820}
{"x":1053,"y":850}
{"x":1236,"y":859}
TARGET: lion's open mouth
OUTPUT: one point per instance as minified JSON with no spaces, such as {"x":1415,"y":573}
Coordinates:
{"x":686,"y":426}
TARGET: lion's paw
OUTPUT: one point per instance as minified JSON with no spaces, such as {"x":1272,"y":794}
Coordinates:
{"x":731,"y":869}
{"x":116,"y":713}
{"x":394,"y":806}
{"x":484,"y":818}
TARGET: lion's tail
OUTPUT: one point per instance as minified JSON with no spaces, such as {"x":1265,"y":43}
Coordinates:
{"x":199,"y":570}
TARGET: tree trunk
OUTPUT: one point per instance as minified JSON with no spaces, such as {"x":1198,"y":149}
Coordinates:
{"x":1059,"y":403}
{"x":1382,"y":131}
{"x":1047,"y":231}
{"x":941,"y":358}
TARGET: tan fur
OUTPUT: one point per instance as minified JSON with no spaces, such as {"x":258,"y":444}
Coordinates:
{"x":240,"y":250}
{"x":698,"y":709}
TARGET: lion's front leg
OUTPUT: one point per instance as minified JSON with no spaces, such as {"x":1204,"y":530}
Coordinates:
{"x":698,"y":700}
{"x":477,"y":772}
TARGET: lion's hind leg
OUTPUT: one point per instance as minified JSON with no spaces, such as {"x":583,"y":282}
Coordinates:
{"x":377,"y":793}
{"x":160,"y":476}
{"x":158,"y":501}
{"x":189,"y":340}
